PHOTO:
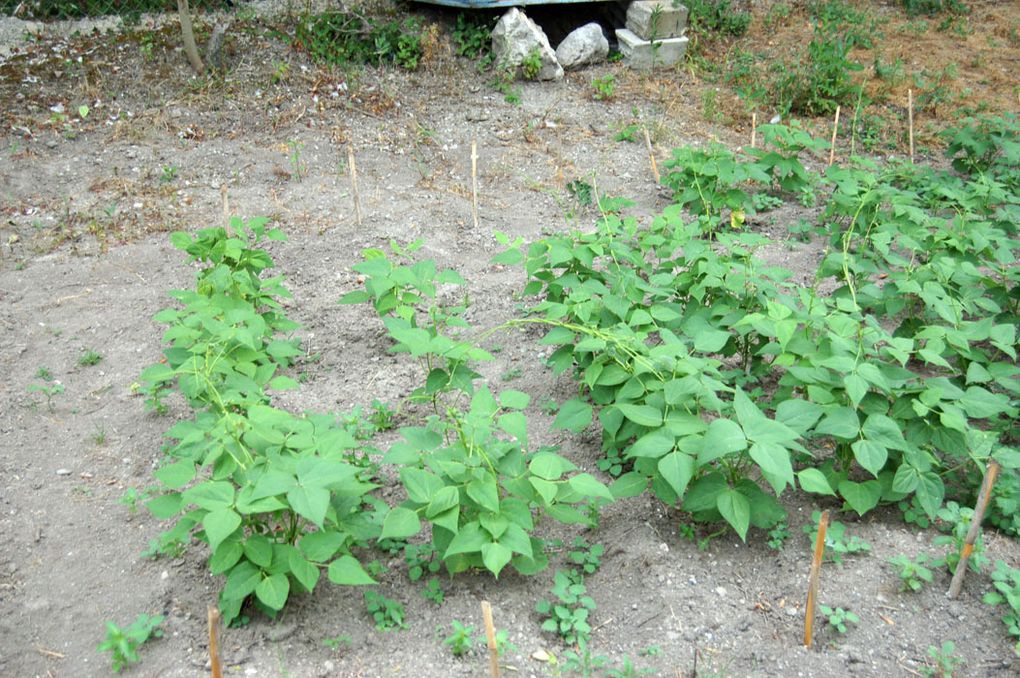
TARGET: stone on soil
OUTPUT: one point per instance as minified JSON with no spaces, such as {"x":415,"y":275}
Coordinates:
{"x":645,"y":54}
{"x":515,"y":37}
{"x":584,"y":46}
{"x":655,"y":20}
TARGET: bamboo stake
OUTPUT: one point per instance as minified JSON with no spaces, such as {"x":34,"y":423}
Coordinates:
{"x":813,"y":579}
{"x":474,"y":182}
{"x":214,"y":650}
{"x":490,"y":636}
{"x":984,"y":495}
{"x":354,"y":183}
{"x":651,"y":156}
{"x":754,"y":129}
{"x":835,"y":130}
{"x":910,"y":119}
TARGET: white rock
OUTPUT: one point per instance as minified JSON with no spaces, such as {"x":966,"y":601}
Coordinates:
{"x":585,"y":45}
{"x":515,"y":37}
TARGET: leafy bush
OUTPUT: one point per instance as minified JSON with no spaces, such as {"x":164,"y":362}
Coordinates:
{"x":342,"y":37}
{"x":933,"y":7}
{"x":717,"y":16}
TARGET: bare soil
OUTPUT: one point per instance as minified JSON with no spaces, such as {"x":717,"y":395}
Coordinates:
{"x":85,"y":262}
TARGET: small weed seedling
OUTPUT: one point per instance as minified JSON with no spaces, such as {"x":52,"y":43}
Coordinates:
{"x":89,"y":358}
{"x":837,"y":543}
{"x":955,"y":520}
{"x":460,"y":641}
{"x":296,"y":163}
{"x":44,"y":373}
{"x":133,"y":498}
{"x":567,"y":615}
{"x":123,"y":644}
{"x":99,"y":437}
{"x":168,"y":174}
{"x":433,"y":591}
{"x":581,"y":661}
{"x":388,"y":614}
{"x":628,"y":133}
{"x":49,"y":391}
{"x":778,"y":536}
{"x":336,"y":642}
{"x":587,"y":558}
{"x":531,"y":65}
{"x":838,"y":618}
{"x":1006,"y":580}
{"x":942,"y":661}
{"x":604,"y":88}
{"x":913,"y":574}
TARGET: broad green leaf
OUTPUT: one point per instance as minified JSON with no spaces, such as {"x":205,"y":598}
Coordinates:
{"x":347,"y":571}
{"x":225,"y":557}
{"x":814,"y":481}
{"x":219,"y":525}
{"x":840,"y":423}
{"x":881,"y":429}
{"x":241,"y":581}
{"x":495,"y":556}
{"x":870,"y":455}
{"x":177,"y":475}
{"x":485,"y":492}
{"x":514,"y":400}
{"x":400,"y":523}
{"x":736,"y":509}
{"x":587,"y":485}
{"x":470,"y":539}
{"x":906,"y":479}
{"x":930,"y":492}
{"x":677,"y":469}
{"x":642,"y":415}
{"x":653,"y":445}
{"x":550,"y":466}
{"x":856,"y":387}
{"x":774,"y":461}
{"x":303,"y":571}
{"x":980,"y":403}
{"x":444,"y":499}
{"x":723,"y":437}
{"x":548,"y":490}
{"x":862,"y":497}
{"x":211,"y":495}
{"x":355,"y":297}
{"x":259,"y":550}
{"x":319,"y":547}
{"x":798,"y":415}
{"x":629,"y":485}
{"x":165,"y":506}
{"x":574,"y":416}
{"x":310,"y":503}
{"x":283,"y":383}
{"x":273,"y":591}
{"x":421,"y":485}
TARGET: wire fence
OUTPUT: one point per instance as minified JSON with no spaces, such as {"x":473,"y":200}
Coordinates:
{"x":53,"y":10}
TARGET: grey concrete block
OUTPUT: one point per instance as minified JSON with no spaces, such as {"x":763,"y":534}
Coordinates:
{"x":646,"y":54}
{"x":644,"y":22}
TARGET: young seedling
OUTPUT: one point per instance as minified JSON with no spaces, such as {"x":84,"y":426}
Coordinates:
{"x":942,"y":661}
{"x":460,"y":641}
{"x":387,"y":613}
{"x":567,"y":615}
{"x":913,"y":574}
{"x":839,"y":618}
{"x":123,"y":644}
{"x":837,"y":542}
{"x":89,"y":358}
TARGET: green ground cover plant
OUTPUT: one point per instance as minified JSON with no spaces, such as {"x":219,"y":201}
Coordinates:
{"x":123,"y":643}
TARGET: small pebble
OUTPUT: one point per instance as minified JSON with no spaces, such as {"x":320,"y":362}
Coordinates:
{"x":63,"y":472}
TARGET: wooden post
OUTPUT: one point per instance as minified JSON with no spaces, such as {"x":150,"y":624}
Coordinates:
{"x":490,"y":636}
{"x":835,"y":130}
{"x":474,"y":182}
{"x":984,"y":495}
{"x":214,"y":650}
{"x":910,"y":121}
{"x":651,"y":156}
{"x":754,"y":129}
{"x":190,"y":48}
{"x":354,"y":183}
{"x":813,"y":579}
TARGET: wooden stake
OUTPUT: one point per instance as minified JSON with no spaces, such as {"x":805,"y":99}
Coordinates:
{"x":651,"y":156}
{"x":226,"y":205}
{"x":214,"y":650}
{"x":490,"y":636}
{"x":474,"y":182}
{"x":910,"y":120}
{"x":984,"y":495}
{"x":835,"y":130}
{"x":813,"y":579}
{"x":354,"y":183}
{"x":754,"y":129}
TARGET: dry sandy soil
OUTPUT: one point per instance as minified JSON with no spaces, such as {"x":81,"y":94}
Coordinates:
{"x":87,"y":205}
